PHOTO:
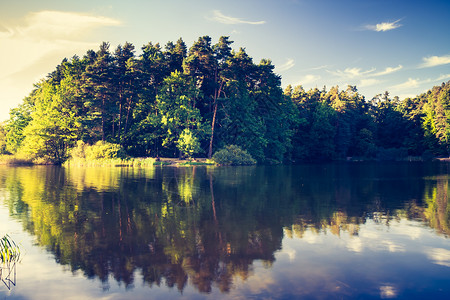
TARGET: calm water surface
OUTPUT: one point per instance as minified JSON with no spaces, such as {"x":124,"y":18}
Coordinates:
{"x":324,"y":231}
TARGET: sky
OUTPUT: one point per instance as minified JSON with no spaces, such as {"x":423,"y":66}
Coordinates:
{"x":400,"y":46}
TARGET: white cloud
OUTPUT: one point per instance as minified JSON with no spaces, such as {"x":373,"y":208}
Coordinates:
{"x":393,"y":247}
{"x":291,"y":252}
{"x":49,"y":25}
{"x":351,"y":73}
{"x":355,"y":245}
{"x":319,"y":68}
{"x":365,"y":76}
{"x":368,"y":82}
{"x":312,"y":238}
{"x":385,"y":26}
{"x":308,"y":79}
{"x":411,"y":83}
{"x":41,"y":39}
{"x":43,"y":33}
{"x":433,"y":61}
{"x":221,"y":18}
{"x":388,"y":291}
{"x":286,"y":66}
{"x":439,"y":256}
{"x":389,"y":70}
{"x":443,"y":77}
{"x":407,"y":95}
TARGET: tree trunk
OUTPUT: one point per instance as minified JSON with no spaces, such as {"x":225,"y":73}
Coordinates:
{"x":120,"y":117}
{"x":103,"y":118}
{"x":216,"y":95}
{"x":212,"y":131}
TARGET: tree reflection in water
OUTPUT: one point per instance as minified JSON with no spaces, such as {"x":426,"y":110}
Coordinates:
{"x":207,"y":226}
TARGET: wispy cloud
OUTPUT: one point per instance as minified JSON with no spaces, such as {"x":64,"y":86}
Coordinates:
{"x":388,"y":291}
{"x":414,"y":83}
{"x":221,"y":18}
{"x":286,"y":66}
{"x":368,"y":82}
{"x":40,"y":39}
{"x":439,"y":256}
{"x":319,"y":68}
{"x":443,"y":77}
{"x":364,"y":75}
{"x":410,"y":83}
{"x":58,"y":24}
{"x":389,"y":70}
{"x":308,"y":79}
{"x":45,"y":32}
{"x":385,"y":26}
{"x":433,"y":61}
{"x":351,"y":73}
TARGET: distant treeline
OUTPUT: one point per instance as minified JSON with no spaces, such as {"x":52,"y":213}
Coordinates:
{"x":175,"y":101}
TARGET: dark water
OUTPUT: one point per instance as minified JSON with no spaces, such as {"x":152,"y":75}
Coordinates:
{"x":324,"y":231}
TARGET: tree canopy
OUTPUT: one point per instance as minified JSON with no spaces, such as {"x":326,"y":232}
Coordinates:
{"x":176,"y":101}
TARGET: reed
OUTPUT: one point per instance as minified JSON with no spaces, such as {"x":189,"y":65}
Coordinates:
{"x":15,"y":160}
{"x":9,"y":251}
{"x":111,"y":162}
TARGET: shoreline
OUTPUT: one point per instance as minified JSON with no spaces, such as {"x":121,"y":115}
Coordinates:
{"x":11,"y":160}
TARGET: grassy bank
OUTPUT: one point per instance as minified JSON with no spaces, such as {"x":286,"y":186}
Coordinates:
{"x":15,"y":160}
{"x":134,"y":162}
{"x":139,"y":162}
{"x":110,"y":162}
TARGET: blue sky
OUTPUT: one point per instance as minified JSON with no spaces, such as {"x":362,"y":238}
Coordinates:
{"x":401,"y":46}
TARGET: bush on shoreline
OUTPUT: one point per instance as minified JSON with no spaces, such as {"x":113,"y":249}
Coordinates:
{"x":233,"y":155}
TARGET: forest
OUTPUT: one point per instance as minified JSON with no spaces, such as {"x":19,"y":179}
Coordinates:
{"x":175,"y":101}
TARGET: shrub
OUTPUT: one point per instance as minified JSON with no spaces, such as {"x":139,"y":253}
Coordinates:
{"x":392,"y":154}
{"x":100,"y":150}
{"x":233,"y":155}
{"x":104,"y":150}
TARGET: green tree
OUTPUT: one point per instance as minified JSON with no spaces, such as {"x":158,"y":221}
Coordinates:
{"x":19,"y":118}
{"x":2,"y":139}
{"x":53,"y":128}
{"x":177,"y":109}
{"x":98,"y":93}
{"x":124,"y":78}
{"x":276,"y":111}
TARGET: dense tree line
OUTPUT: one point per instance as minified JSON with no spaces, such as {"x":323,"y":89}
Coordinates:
{"x":175,"y":101}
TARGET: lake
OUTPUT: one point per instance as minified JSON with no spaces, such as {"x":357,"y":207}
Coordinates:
{"x":312,"y":231}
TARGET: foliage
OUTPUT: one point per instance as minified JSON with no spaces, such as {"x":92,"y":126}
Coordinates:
{"x":2,"y":139}
{"x":104,"y":150}
{"x":392,"y":154}
{"x":19,"y":118}
{"x":101,"y":154}
{"x":100,"y":150}
{"x":173,"y":101}
{"x":52,"y":129}
{"x":187,"y":143}
{"x":233,"y":155}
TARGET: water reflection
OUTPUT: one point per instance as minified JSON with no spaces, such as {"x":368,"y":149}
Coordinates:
{"x":8,"y":274}
{"x":218,"y":227}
